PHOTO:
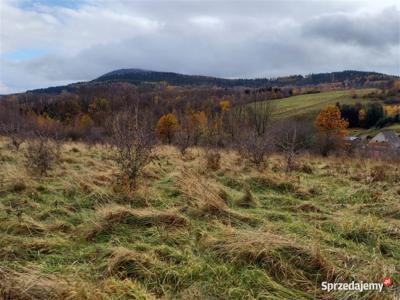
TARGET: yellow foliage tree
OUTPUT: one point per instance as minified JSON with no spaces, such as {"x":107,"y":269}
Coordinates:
{"x":197,"y":124}
{"x":392,"y":110}
{"x":167,"y":126}
{"x":224,"y":105}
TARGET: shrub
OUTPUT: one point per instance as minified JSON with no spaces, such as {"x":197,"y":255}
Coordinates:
{"x":133,"y":145}
{"x":41,"y":155}
{"x":256,"y":148}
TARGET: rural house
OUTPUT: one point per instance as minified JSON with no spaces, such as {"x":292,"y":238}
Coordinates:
{"x":387,"y":138}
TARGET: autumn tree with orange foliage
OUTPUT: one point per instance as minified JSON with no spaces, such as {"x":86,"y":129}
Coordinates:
{"x":330,"y":120}
{"x":167,"y":126}
{"x":332,"y":128}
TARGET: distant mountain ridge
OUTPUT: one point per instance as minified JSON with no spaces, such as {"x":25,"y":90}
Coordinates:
{"x":348,"y":78}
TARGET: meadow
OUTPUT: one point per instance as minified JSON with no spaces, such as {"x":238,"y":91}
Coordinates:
{"x":311,"y":104}
{"x":188,"y":232}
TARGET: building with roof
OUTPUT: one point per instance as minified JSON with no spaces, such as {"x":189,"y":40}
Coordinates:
{"x":387,"y":138}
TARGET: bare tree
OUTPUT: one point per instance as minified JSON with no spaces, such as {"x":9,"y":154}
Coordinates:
{"x":256,"y":147}
{"x":183,"y":140}
{"x":254,"y":137}
{"x":133,"y":142}
{"x":291,"y":136}
{"x":259,"y":115}
{"x":233,"y":122}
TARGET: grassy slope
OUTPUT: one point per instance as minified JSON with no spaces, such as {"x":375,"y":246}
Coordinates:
{"x":312,"y":103}
{"x":184,"y":235}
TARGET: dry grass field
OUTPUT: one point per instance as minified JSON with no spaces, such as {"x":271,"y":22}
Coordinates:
{"x":191,"y":233}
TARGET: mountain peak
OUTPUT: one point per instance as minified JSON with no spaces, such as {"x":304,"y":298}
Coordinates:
{"x":122,"y":72}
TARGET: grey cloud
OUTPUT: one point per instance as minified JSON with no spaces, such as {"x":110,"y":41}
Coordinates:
{"x":376,"y":30}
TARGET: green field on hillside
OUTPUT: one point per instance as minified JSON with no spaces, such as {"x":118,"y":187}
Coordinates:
{"x":310,"y":104}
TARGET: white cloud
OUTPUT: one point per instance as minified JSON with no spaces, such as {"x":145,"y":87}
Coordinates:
{"x":68,"y":30}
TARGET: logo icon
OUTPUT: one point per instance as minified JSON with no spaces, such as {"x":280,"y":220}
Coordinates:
{"x":387,"y":281}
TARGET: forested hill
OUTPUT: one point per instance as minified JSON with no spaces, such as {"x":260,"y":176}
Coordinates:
{"x":139,"y":76}
{"x":354,"y":79}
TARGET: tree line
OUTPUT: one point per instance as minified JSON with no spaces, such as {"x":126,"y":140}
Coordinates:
{"x":132,"y":122}
{"x":133,"y":130}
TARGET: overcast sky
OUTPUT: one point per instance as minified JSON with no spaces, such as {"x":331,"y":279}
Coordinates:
{"x":52,"y":42}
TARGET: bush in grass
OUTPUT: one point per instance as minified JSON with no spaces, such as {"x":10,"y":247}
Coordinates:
{"x":41,"y":155}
